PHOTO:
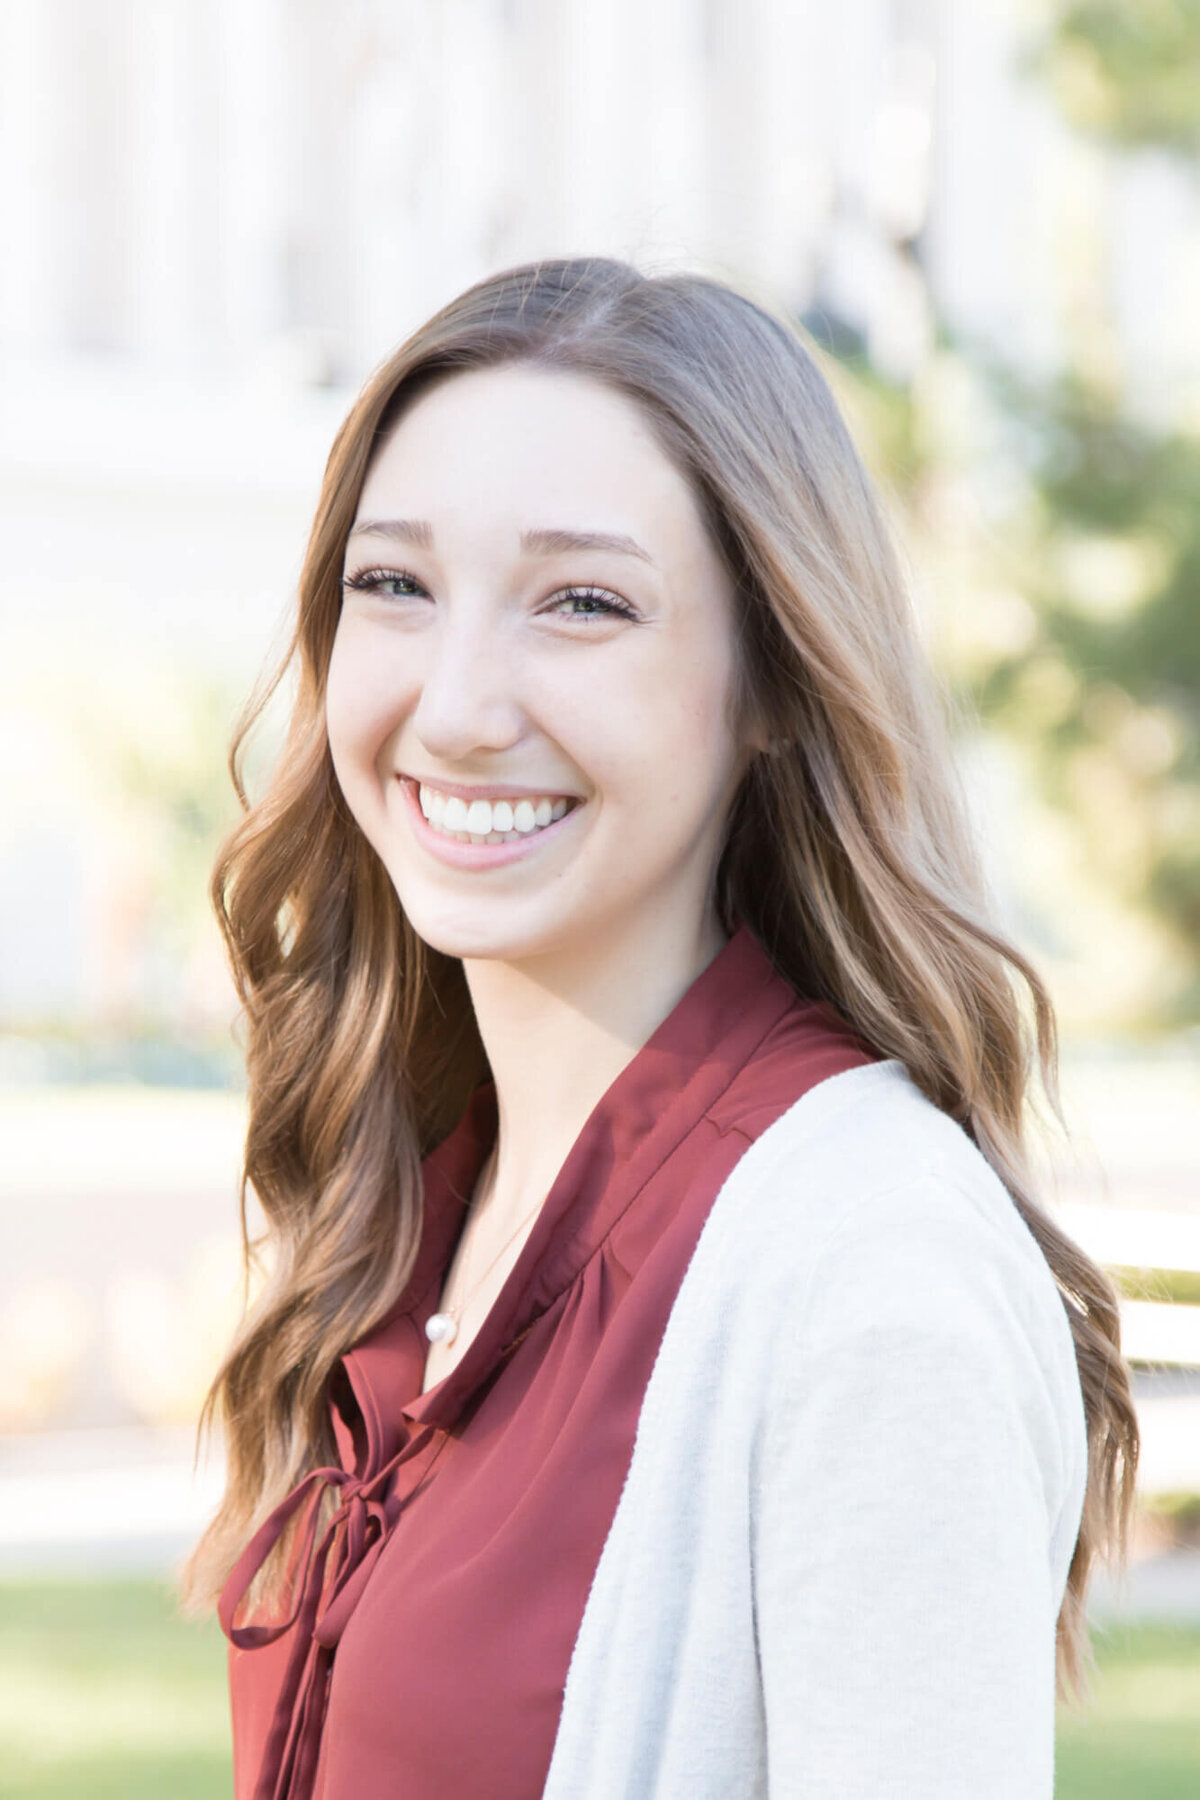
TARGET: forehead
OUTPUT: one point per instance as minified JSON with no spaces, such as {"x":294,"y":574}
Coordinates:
{"x":531,"y":446}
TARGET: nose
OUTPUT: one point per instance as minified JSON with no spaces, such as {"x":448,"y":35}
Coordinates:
{"x":468,"y":700}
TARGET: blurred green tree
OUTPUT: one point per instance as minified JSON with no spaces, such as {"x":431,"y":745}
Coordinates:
{"x":1070,"y":622}
{"x":1108,"y":691}
{"x":1113,"y":558}
{"x":1126,"y":70}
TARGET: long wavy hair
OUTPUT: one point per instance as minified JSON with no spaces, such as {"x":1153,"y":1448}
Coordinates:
{"x":847,"y":853}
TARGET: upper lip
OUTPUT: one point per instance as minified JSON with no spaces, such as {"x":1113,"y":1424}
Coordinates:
{"x":492,"y":790}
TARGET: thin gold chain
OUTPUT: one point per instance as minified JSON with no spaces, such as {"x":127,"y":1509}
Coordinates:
{"x":457,"y":1308}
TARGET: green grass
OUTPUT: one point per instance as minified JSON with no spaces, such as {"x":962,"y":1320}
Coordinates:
{"x":1140,"y":1739}
{"x":106,"y":1693}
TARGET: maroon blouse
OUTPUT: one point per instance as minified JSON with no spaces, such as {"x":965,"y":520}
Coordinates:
{"x":452,"y":1580}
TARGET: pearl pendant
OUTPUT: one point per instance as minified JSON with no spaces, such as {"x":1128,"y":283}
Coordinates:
{"x":441,"y":1328}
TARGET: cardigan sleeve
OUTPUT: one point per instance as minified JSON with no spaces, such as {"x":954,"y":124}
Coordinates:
{"x":920,"y":1459}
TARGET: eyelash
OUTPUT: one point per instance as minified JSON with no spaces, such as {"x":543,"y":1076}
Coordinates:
{"x":370,"y":581}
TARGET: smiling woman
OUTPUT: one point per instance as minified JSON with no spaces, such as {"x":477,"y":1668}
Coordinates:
{"x":667,"y":1383}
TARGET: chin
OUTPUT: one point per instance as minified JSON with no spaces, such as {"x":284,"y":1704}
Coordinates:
{"x":477,"y":931}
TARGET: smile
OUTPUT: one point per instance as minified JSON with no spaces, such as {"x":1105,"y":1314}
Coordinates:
{"x":486,"y":821}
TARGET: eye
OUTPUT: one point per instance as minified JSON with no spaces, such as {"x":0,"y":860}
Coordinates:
{"x":571,"y":603}
{"x":382,"y":581}
{"x":591,"y":603}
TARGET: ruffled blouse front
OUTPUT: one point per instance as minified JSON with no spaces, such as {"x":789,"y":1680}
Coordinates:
{"x":434,"y":1617}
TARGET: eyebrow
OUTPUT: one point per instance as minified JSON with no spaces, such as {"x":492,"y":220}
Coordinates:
{"x":534,"y":543}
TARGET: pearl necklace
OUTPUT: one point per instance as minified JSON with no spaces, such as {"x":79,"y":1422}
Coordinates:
{"x":442,"y":1327}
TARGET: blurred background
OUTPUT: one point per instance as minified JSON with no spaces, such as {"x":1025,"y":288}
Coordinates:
{"x":215,"y":217}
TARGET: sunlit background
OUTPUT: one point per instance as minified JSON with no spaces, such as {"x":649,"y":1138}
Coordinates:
{"x":215,"y":217}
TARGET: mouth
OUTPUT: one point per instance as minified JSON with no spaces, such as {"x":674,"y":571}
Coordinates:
{"x":491,"y":820}
{"x":460,"y":830}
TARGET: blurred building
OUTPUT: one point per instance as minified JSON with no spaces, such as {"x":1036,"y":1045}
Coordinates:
{"x":218,"y":214}
{"x":216,"y":184}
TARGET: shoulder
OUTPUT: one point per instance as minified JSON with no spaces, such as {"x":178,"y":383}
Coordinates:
{"x":865,"y":1157}
{"x":808,"y":1043}
{"x":865,"y":1227}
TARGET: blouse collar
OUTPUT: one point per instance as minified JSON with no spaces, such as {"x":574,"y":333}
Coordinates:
{"x":659,"y":1096}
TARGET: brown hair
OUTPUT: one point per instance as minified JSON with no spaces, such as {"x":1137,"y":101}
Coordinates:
{"x":847,"y":854}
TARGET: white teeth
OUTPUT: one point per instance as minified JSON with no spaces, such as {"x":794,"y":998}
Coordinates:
{"x":489,"y":821}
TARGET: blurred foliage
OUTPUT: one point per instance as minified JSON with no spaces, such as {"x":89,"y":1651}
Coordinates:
{"x":1182,"y":1508}
{"x":1113,"y":559}
{"x":1108,"y":688}
{"x":1073,"y":622}
{"x":1126,"y":70}
{"x":1180,"y":1287}
{"x":150,"y":749}
{"x":1070,"y":620}
{"x":173,"y":772}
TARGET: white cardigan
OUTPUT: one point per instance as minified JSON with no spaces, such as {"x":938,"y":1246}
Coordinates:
{"x":856,"y":1485}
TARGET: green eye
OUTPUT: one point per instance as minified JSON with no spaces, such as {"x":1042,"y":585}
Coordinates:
{"x":379,"y":581}
{"x":586,"y":603}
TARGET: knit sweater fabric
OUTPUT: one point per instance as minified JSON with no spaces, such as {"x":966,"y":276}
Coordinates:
{"x":838,"y":1558}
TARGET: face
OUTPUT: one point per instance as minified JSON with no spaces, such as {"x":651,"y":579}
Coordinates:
{"x":528,"y":694}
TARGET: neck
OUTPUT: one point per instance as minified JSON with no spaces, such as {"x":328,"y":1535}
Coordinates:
{"x":558,"y":1030}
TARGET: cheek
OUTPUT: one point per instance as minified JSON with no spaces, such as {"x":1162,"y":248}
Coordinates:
{"x":668,"y":730}
{"x":656,"y":757}
{"x":363,"y":705}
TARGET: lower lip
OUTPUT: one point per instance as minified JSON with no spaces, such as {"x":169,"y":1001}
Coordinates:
{"x":476,"y":856}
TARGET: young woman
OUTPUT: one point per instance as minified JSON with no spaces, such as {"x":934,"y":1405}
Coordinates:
{"x":665,"y":1384}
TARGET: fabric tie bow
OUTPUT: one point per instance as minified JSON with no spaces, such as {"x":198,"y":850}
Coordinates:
{"x":330,"y":1577}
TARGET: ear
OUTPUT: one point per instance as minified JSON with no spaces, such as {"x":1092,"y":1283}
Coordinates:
{"x":759,"y":742}
{"x":756,"y":735}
